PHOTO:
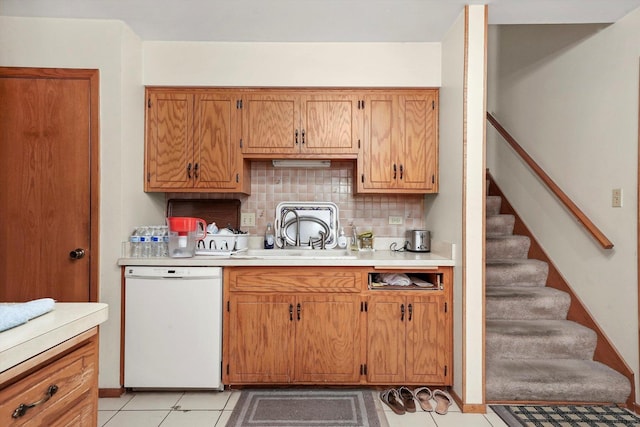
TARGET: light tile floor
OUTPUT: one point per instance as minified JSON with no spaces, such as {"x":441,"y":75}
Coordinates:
{"x":200,"y":409}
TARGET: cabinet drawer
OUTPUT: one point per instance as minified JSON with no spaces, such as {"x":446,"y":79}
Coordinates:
{"x":295,"y":279}
{"x":74,"y":376}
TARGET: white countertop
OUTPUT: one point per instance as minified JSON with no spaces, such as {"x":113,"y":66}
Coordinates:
{"x":65,"y":321}
{"x":440,"y":256}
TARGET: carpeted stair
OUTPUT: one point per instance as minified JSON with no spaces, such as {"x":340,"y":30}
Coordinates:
{"x":533,"y":353}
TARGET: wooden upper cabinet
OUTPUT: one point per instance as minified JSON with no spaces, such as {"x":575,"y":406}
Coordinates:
{"x":331,"y":124}
{"x":400,"y":147}
{"x":270,"y":123}
{"x":193,"y":142}
{"x":216,"y":127}
{"x":301,"y":124}
{"x":169,"y":140}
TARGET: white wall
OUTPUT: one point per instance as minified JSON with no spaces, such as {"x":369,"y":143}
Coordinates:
{"x":444,"y":210}
{"x":456,"y":214}
{"x":569,"y":95}
{"x":474,"y":205}
{"x":113,"y":49}
{"x":126,"y":65}
{"x":292,"y":64}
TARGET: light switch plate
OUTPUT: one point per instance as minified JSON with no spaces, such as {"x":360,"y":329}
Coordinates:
{"x":248,"y":219}
{"x":616,"y":198}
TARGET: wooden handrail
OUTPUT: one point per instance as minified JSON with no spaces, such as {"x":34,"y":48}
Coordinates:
{"x":575,"y":210}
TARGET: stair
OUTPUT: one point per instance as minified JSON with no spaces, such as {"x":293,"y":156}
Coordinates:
{"x":533,"y":353}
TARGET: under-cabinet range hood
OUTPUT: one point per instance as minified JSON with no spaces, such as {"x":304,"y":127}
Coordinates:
{"x":307,"y":164}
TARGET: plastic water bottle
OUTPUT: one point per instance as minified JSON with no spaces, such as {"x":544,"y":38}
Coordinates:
{"x":165,"y":242}
{"x":145,"y":242}
{"x":156,"y":241}
{"x":134,"y":239}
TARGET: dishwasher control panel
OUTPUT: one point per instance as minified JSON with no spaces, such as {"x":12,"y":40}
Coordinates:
{"x":173,"y":272}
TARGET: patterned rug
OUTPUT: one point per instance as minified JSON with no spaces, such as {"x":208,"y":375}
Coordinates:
{"x":306,"y":408}
{"x":565,"y":416}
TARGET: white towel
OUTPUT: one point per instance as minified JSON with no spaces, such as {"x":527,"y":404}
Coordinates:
{"x":12,"y":315}
{"x":396,"y":279}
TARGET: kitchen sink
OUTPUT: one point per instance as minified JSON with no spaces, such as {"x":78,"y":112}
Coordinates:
{"x":297,"y":254}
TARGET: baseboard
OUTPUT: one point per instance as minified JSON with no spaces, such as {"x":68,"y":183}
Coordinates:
{"x":476,"y":408}
{"x":110,"y":392}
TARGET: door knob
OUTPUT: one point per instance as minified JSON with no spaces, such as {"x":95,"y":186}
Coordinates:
{"x":77,"y":253}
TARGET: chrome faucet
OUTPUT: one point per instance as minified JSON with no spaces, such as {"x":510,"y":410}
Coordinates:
{"x":284,"y":215}
{"x":323,"y":239}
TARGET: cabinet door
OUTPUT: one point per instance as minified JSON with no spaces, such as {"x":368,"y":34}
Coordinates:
{"x":386,"y":339}
{"x":418,"y":159}
{"x":216,"y":141}
{"x":261,"y":338}
{"x":169,"y":141}
{"x":377,"y":162}
{"x":330,"y":124}
{"x":328,"y":338}
{"x":271,"y":124}
{"x":427,"y":340}
{"x":400,"y":144}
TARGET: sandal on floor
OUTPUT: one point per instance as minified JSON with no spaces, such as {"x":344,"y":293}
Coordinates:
{"x":443,"y":401}
{"x":392,"y":399}
{"x":423,"y":395}
{"x":407,"y":399}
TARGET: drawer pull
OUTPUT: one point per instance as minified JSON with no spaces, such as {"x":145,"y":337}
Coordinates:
{"x":24,"y":407}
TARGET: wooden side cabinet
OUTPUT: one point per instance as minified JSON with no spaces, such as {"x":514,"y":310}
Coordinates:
{"x":192,"y":141}
{"x":409,"y":333}
{"x":56,"y":388}
{"x":408,"y":339}
{"x":400,"y":145}
{"x":301,"y":124}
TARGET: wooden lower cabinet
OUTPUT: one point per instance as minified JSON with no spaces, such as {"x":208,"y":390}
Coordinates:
{"x":260,"y":339}
{"x":294,"y":338}
{"x":408,"y":340}
{"x":327,"y":346}
{"x":333,"y":329}
{"x":71,"y":369}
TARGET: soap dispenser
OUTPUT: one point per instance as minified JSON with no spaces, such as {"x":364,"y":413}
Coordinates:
{"x":269,"y":239}
{"x":342,"y":239}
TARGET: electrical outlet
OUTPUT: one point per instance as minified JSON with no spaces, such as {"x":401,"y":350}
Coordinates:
{"x":247,"y":219}
{"x":395,"y":220}
{"x":616,"y":198}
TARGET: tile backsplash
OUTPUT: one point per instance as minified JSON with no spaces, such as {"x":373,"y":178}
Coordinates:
{"x":270,"y":186}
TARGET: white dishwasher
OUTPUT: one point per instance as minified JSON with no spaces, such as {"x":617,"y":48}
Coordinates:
{"x":173,"y":327}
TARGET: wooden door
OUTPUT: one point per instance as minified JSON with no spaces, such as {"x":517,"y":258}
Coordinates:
{"x":169,"y":140}
{"x":49,"y":172}
{"x":271,"y":123}
{"x":330,"y":124}
{"x":386,"y":339}
{"x":427,"y":340}
{"x":378,"y":166}
{"x":417,"y":161}
{"x":261,"y":334}
{"x":216,"y":141}
{"x":328,"y":338}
